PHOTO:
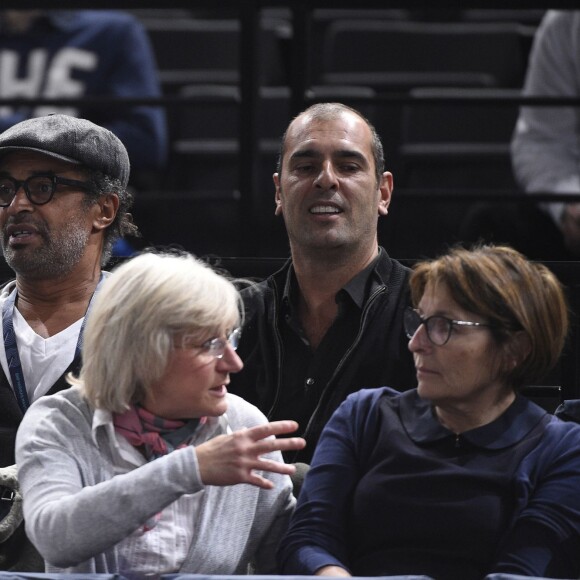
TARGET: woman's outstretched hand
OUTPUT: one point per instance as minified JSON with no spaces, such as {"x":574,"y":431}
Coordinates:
{"x":235,"y":458}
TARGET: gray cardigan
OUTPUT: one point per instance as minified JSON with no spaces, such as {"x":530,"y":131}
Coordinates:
{"x":76,"y":510}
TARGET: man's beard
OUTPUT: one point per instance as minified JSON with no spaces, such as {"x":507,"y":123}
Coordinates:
{"x":56,"y":257}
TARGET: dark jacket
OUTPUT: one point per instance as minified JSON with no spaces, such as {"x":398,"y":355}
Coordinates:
{"x":379,"y":355}
{"x":11,"y":414}
{"x":16,"y":551}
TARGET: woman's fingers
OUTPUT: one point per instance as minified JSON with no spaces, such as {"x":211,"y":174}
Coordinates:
{"x":273,"y":428}
{"x":235,"y":458}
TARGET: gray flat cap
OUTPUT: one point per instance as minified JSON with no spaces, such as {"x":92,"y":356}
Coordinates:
{"x":70,"y":139}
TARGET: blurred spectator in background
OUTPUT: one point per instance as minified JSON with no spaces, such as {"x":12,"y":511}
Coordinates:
{"x":545,"y":153}
{"x":71,"y":54}
{"x":546,"y":142}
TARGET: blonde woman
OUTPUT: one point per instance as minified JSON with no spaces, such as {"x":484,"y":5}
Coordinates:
{"x":137,"y":468}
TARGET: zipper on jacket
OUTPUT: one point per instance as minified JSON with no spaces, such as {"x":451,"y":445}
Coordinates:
{"x":368,"y":305}
{"x":278,"y":346}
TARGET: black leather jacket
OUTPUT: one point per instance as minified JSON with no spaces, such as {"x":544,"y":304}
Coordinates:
{"x":378,"y":357}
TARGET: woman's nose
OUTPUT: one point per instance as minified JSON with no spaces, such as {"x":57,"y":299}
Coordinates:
{"x":419,"y":340}
{"x":231,"y":361}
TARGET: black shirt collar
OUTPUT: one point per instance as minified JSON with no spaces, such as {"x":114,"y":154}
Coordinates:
{"x":357,"y":288}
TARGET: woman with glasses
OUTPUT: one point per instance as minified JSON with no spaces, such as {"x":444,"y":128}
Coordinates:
{"x":134,"y":469}
{"x":463,"y":476}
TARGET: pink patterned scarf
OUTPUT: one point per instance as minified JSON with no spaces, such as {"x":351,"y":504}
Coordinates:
{"x":155,"y":435}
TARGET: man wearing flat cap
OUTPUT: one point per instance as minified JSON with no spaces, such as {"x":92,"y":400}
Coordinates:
{"x":63,"y":203}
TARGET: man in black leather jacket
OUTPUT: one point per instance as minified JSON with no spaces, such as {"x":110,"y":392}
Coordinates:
{"x":330,"y":321}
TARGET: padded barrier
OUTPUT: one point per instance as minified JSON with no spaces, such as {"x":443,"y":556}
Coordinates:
{"x":46,"y":576}
{"x":265,"y":577}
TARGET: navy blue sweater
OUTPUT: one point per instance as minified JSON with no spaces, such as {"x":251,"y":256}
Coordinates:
{"x":393,"y":492}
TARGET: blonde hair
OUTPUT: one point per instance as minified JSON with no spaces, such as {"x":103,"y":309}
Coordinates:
{"x":511,"y":293}
{"x":136,"y":316}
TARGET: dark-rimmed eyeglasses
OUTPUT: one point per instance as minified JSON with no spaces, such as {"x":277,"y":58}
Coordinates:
{"x":39,"y":189}
{"x":216,"y":347}
{"x":438,"y":327}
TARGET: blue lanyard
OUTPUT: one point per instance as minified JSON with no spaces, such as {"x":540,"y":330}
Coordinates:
{"x":11,"y":348}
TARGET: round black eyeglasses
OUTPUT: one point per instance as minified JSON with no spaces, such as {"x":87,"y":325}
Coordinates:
{"x":39,"y":189}
{"x":438,"y":327}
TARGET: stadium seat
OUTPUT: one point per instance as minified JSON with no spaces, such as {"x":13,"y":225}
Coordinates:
{"x":398,"y":55}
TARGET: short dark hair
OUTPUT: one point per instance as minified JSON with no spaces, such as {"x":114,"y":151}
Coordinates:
{"x":328,"y":112}
{"x":122,"y":225}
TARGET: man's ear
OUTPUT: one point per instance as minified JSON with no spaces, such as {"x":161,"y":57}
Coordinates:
{"x":277,"y":198}
{"x":386,"y":190}
{"x":107,"y":205}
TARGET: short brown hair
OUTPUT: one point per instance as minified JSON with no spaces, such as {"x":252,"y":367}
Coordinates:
{"x":511,"y":293}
